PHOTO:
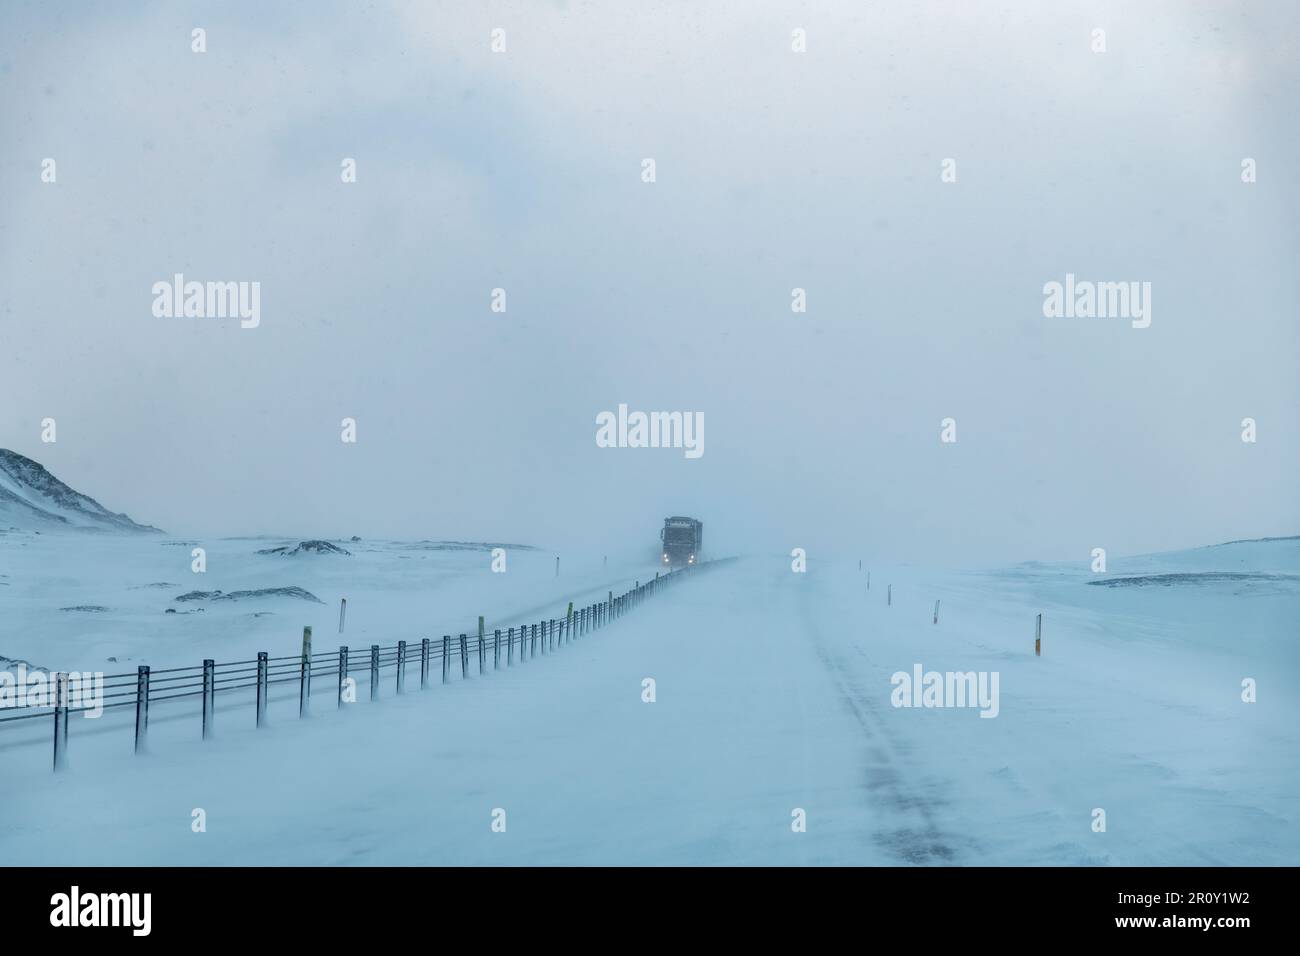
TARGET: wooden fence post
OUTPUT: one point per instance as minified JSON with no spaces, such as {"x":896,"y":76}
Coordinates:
{"x":401,"y":665}
{"x":141,"y":707}
{"x":1038,"y":637}
{"x":209,"y":689}
{"x":374,"y":672}
{"x":343,"y":612}
{"x":424,"y":663}
{"x":936,"y":612}
{"x":60,"y":720}
{"x":464,"y":657}
{"x":262,"y":688}
{"x":304,"y":680}
{"x":343,"y":674}
{"x":446,"y":655}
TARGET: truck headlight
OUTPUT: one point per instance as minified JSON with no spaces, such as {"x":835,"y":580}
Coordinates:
{"x":691,"y":559}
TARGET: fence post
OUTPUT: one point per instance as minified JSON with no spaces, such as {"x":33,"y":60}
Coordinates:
{"x":374,"y":672}
{"x":261,"y":688}
{"x":1038,"y":637}
{"x":496,"y":649}
{"x":889,"y":596}
{"x":401,"y":665}
{"x":510,"y":646}
{"x":343,"y":612}
{"x":343,"y":673}
{"x":141,"y":707}
{"x":60,"y":721}
{"x":304,"y":677}
{"x":424,"y":663}
{"x":480,"y":645}
{"x":209,"y":688}
{"x":532,"y":647}
{"x":569,"y":617}
{"x":936,"y":612}
{"x":868,"y":580}
{"x":446,"y":655}
{"x":464,"y":657}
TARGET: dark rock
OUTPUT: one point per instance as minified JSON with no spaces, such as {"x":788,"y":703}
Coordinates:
{"x":307,"y":547}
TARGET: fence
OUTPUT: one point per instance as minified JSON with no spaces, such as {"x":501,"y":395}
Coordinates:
{"x":147,"y":688}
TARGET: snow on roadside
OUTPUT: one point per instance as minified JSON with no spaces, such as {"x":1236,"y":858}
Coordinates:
{"x":773,"y":696}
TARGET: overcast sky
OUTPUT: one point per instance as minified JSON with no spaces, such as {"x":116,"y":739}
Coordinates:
{"x":775,"y":170}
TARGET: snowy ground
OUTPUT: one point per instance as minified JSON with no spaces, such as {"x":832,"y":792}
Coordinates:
{"x":773,"y":693}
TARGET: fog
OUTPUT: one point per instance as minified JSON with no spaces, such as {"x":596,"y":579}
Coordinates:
{"x":774,"y":170}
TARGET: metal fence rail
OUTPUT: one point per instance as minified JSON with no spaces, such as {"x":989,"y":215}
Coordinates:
{"x":345,"y":669}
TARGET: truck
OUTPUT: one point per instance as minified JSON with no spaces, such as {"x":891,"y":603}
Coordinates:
{"x":681,"y":540}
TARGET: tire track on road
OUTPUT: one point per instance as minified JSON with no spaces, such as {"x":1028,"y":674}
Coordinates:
{"x":915,"y":835}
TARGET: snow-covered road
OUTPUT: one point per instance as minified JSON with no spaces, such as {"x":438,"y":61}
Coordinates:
{"x":772,"y":696}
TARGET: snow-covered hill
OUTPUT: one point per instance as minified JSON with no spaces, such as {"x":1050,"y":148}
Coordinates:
{"x":33,"y":499}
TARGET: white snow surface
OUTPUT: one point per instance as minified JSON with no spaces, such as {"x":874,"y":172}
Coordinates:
{"x":773,"y":694}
